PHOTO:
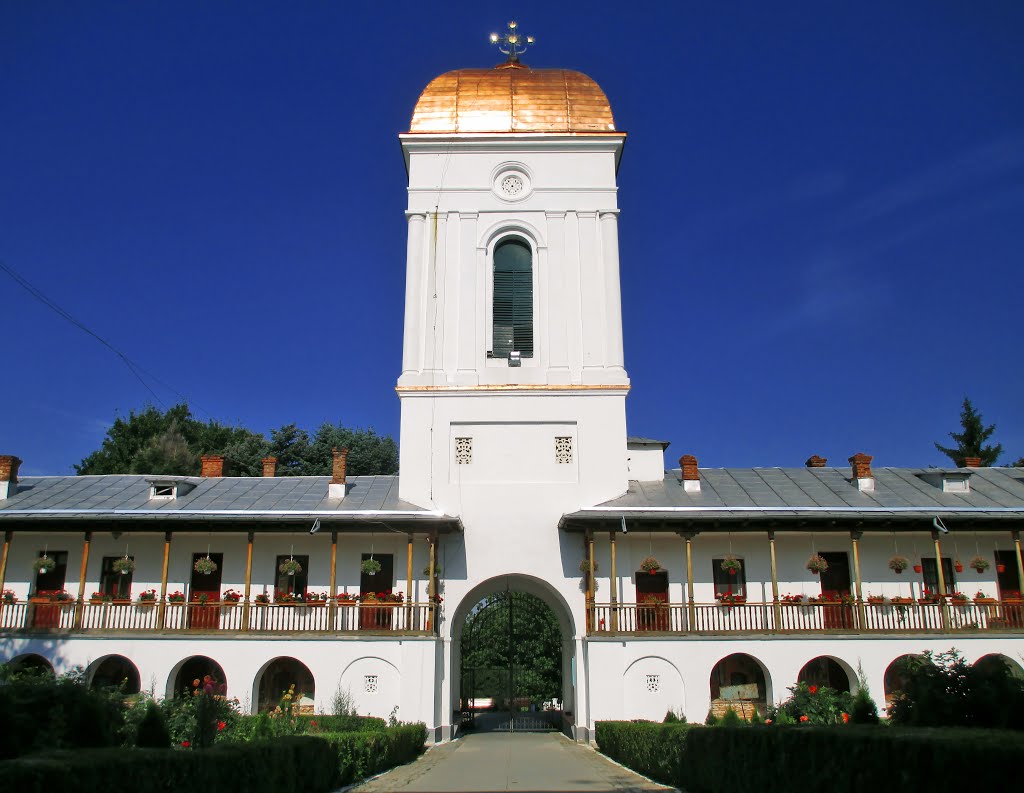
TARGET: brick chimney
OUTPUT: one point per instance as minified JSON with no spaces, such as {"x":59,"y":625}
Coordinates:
{"x":336,"y":489}
{"x":969,"y":462}
{"x":862,"y":476}
{"x":270,"y":467}
{"x":8,"y":475}
{"x":814,"y":461}
{"x":213,"y":465}
{"x":691,"y":476}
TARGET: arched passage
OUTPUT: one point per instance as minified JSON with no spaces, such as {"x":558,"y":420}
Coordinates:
{"x":197,"y":672}
{"x":994,"y":663}
{"x":895,"y":678}
{"x":284,"y":683}
{"x":825,"y":671}
{"x":115,"y":671}
{"x":30,"y":662}
{"x":512,"y":654}
{"x":739,"y":681}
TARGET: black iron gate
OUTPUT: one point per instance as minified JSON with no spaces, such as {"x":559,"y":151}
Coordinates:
{"x":511,"y":667}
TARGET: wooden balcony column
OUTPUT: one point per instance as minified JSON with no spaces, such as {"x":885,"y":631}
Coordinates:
{"x":942,"y":581}
{"x":248,"y":581}
{"x":588,"y":549}
{"x":8,"y":536}
{"x":162,"y":611}
{"x":858,"y":590}
{"x":80,"y":602}
{"x":776,"y":606}
{"x":615,"y":585}
{"x":691,"y":606}
{"x":432,"y":582}
{"x":1016,"y":548}
{"x":408,"y":581}
{"x":332,"y":604}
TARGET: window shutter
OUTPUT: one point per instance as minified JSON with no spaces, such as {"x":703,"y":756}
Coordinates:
{"x":513,"y":300}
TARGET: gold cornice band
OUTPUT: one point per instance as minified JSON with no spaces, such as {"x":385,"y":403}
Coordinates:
{"x":524,"y":387}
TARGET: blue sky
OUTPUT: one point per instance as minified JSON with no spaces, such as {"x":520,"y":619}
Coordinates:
{"x":821,"y":232}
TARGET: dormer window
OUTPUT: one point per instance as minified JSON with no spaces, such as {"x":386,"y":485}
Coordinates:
{"x":949,"y":481}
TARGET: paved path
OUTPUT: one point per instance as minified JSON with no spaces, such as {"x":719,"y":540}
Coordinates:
{"x":524,"y":762}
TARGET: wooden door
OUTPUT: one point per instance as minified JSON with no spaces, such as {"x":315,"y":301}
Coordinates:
{"x":835,"y":586}
{"x":376,"y":617}
{"x":45,"y":615}
{"x":652,"y":611}
{"x":208,"y":584}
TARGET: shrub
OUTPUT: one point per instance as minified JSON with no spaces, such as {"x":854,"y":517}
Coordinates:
{"x":648,"y":748}
{"x":809,"y":704}
{"x":363,"y":754}
{"x":152,"y":732}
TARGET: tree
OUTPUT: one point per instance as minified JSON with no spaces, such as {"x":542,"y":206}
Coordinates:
{"x":969,"y":443}
{"x":171,"y":442}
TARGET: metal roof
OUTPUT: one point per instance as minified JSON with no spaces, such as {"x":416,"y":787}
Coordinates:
{"x":260,"y":499}
{"x":759,"y":495}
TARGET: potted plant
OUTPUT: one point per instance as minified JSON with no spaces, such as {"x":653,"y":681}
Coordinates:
{"x":97,"y":598}
{"x":176,"y":597}
{"x":898,"y":564}
{"x":289,"y":566}
{"x":288,"y":598}
{"x":148,"y":597}
{"x":231,"y":596}
{"x":817,"y":564}
{"x":585,"y":566}
{"x":346,"y":598}
{"x":728,"y":599}
{"x":918,"y":568}
{"x":316,"y":598}
{"x":927,"y":596}
{"x":959,"y":598}
{"x":370,"y":566}
{"x":262,"y":599}
{"x":901,"y":601}
{"x":205,"y":565}
{"x":438,"y":571}
{"x":793,"y":599}
{"x":124,"y":565}
{"x":8,"y":596}
{"x":731,"y":564}
{"x":43,"y":564}
{"x":650,"y":565}
{"x":958,"y":566}
{"x":1000,"y":567}
{"x":53,"y":596}
{"x":979,"y":563}
{"x":877,"y":600}
{"x":982,"y":598}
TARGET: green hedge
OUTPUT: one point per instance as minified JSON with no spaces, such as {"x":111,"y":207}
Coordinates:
{"x":846,"y":759}
{"x":264,"y":726}
{"x":648,"y":748}
{"x":363,"y":754}
{"x":284,"y":765}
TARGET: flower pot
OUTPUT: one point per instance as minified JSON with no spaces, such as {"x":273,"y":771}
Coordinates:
{"x":958,"y":567}
{"x":732,"y":571}
{"x":898,"y":571}
{"x":918,"y":568}
{"x":1000,"y":568}
{"x":291,"y":572}
{"x":653,"y":572}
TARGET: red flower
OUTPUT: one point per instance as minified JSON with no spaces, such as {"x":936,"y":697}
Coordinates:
{"x":185,"y":744}
{"x":221,"y":725}
{"x":846,"y":718}
{"x":312,"y":724}
{"x":813,"y":689}
{"x":804,"y":718}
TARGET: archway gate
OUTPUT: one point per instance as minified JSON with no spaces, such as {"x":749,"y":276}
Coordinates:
{"x":511,"y":665}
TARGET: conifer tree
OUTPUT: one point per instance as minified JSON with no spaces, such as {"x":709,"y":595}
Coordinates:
{"x":969,"y":443}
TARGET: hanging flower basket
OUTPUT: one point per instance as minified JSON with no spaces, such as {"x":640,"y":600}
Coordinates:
{"x":438,"y":570}
{"x":817,"y":564}
{"x":650,"y":565}
{"x":958,"y":566}
{"x":979,"y":563}
{"x":918,"y":568}
{"x":898,"y":564}
{"x":731,"y":564}
{"x":289,"y":567}
{"x":43,"y":564}
{"x":124,"y":565}
{"x":1000,"y":568}
{"x":585,"y":566}
{"x":370,"y":566}
{"x":205,"y":565}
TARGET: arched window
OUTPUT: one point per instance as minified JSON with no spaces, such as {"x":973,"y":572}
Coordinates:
{"x":513,"y":299}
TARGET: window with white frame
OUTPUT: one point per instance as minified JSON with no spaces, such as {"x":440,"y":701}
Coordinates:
{"x":512,"y":299}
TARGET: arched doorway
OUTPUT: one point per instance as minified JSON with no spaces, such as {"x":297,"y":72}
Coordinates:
{"x":896,"y":679}
{"x":739,"y":682}
{"x":825,"y":672}
{"x":285,"y":683}
{"x":197,"y":672}
{"x":115,"y":671}
{"x":31,"y":664}
{"x":512,"y":657}
{"x":995,"y":664}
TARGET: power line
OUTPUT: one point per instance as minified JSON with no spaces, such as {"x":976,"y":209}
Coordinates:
{"x":133,"y":367}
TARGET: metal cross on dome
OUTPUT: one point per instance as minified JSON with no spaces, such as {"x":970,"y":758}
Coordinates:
{"x":512,"y":43}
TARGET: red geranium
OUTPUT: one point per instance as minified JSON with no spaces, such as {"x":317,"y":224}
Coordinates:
{"x":804,"y":718}
{"x":813,"y":689}
{"x":221,"y":725}
{"x":185,"y":744}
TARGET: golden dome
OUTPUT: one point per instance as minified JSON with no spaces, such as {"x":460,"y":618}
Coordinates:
{"x":512,"y":99}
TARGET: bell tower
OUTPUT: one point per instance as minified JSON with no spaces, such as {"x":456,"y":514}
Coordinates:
{"x":512,"y":365}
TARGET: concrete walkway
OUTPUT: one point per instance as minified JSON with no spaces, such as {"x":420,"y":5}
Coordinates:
{"x":524,"y":762}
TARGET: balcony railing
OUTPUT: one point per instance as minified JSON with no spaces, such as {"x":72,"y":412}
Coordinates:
{"x":743,"y":617}
{"x":148,"y":616}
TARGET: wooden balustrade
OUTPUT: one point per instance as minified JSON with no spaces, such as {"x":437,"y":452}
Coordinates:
{"x":146,"y":616}
{"x":806,"y":617}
